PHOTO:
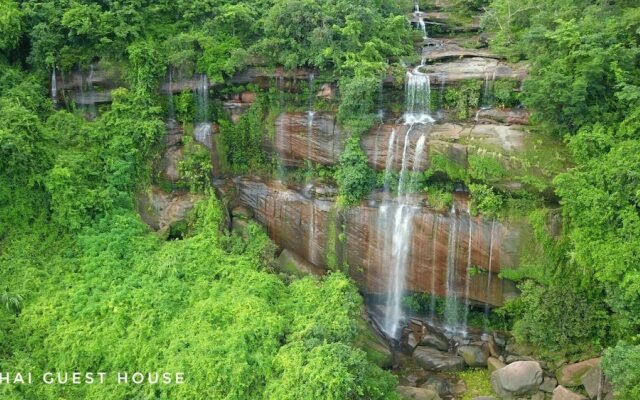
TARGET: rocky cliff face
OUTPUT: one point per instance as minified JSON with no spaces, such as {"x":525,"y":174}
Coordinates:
{"x":299,"y":137}
{"x":305,"y":136}
{"x":310,"y":227}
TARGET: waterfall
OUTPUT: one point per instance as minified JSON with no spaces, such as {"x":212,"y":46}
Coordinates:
{"x":396,"y":218}
{"x":418,"y":98}
{"x":389,"y":161}
{"x":54,"y":86}
{"x":467,"y":273}
{"x":202,"y":130}
{"x":434,"y":245}
{"x":310,"y":116}
{"x":486,"y":305}
{"x":487,"y":90}
{"x":421,"y":24}
{"x":451,"y":305}
{"x":171,"y":109}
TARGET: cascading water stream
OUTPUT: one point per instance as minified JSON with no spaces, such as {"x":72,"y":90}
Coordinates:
{"x":451,"y":303}
{"x":396,"y":215}
{"x":54,"y":86}
{"x":467,"y":281}
{"x":202,"y":130}
{"x":490,"y":271}
{"x":421,"y":24}
{"x":312,"y":217}
{"x":418,"y":98}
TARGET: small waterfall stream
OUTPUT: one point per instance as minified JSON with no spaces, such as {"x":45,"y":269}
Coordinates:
{"x":202,"y":130}
{"x":54,"y":86}
{"x":421,"y":24}
{"x":451,"y":304}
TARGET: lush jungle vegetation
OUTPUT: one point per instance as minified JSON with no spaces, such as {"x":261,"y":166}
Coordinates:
{"x":585,"y":88}
{"x":86,"y":286}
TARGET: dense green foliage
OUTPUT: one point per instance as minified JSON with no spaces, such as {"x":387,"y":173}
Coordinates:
{"x":86,"y":286}
{"x":354,"y":175}
{"x":116,"y":298}
{"x":585,"y":86}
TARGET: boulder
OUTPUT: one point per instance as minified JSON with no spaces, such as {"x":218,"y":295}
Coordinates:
{"x":538,"y":396}
{"x":435,"y":339}
{"x":484,"y":398}
{"x":519,"y":378}
{"x":492,"y":346}
{"x":474,"y":356}
{"x":494,"y":364}
{"x":412,"y":341}
{"x":595,"y":383}
{"x":549,"y":384}
{"x":440,"y":385}
{"x":408,"y":392}
{"x":571,"y":375}
{"x":435,"y":360}
{"x":562,"y":393}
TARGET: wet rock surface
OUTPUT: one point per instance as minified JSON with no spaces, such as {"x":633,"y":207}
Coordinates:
{"x":305,"y":225}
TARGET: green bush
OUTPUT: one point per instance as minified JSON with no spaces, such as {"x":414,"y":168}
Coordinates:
{"x":620,"y":365}
{"x":195,"y":166}
{"x":354,"y":175}
{"x":485,"y":200}
{"x":486,"y":168}
{"x":558,"y":317}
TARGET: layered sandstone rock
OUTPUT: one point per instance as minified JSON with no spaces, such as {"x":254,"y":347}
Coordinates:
{"x":307,"y":136}
{"x":311,"y":228}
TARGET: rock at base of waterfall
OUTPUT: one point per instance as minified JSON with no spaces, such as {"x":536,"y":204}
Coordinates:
{"x":290,"y":263}
{"x":474,"y":356}
{"x":412,"y":341}
{"x":571,"y":375}
{"x":494,"y":364}
{"x":438,"y":384}
{"x":519,"y":378}
{"x":435,"y":360}
{"x":595,"y":383}
{"x":434,"y":339}
{"x":549,"y":384}
{"x":562,"y":393}
{"x":408,"y":392}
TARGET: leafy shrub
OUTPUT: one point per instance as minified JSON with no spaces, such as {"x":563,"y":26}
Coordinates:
{"x":464,"y":97}
{"x":486,"y":168}
{"x":354,"y":175}
{"x":620,"y":365}
{"x":557,"y":316}
{"x":195,"y":166}
{"x":485,"y":200}
{"x":504,"y":93}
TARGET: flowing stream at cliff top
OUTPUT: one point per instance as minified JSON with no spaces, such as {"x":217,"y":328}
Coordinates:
{"x":396,"y":214}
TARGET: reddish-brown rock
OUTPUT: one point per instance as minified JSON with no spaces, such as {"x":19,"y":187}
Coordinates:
{"x":304,"y":226}
{"x":303,"y":136}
